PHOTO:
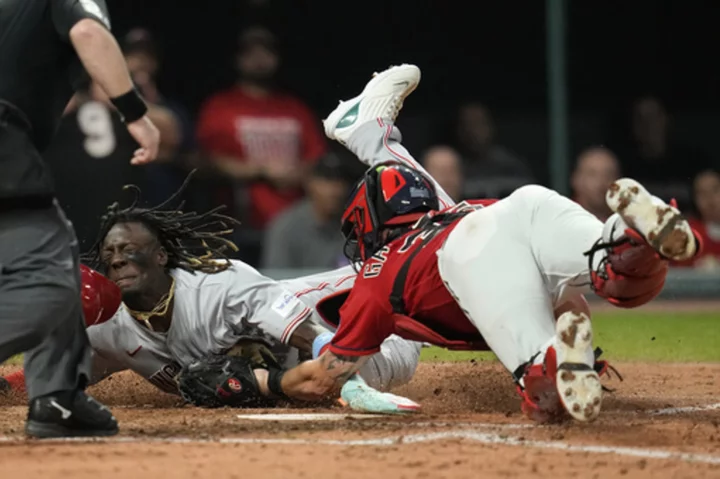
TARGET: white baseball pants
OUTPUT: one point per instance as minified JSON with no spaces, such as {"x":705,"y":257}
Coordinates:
{"x":512,"y":265}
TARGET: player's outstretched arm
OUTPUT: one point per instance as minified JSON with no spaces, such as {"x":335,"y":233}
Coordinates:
{"x":320,"y":378}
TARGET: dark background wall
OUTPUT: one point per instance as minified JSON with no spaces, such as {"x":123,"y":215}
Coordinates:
{"x":492,"y":51}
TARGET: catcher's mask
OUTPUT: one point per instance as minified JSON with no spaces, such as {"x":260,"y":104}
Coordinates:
{"x":389,"y":195}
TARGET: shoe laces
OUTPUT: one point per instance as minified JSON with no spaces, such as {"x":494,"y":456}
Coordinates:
{"x":395,"y":106}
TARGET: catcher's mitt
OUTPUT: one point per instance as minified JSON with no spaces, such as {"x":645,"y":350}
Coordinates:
{"x":631,"y":274}
{"x":228,"y":381}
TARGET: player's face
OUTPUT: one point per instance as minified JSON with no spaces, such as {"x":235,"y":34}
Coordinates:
{"x":133,"y":258}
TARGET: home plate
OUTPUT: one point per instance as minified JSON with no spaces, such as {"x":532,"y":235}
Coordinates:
{"x":306,"y":417}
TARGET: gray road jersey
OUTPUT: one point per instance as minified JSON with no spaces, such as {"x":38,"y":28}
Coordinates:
{"x":311,"y":289}
{"x":210,"y":313}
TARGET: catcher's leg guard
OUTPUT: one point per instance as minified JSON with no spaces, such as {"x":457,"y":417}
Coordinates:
{"x":565,"y":382}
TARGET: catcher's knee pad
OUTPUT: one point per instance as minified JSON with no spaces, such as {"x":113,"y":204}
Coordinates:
{"x":630,"y":274}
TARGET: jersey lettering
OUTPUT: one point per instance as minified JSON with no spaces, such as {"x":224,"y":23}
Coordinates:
{"x":373,"y":268}
{"x":285,"y":305}
{"x":415,"y":237}
{"x":463,"y":206}
{"x":164,"y":379}
{"x":95,"y":121}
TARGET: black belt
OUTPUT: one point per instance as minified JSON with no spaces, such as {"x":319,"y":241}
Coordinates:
{"x":43,"y":202}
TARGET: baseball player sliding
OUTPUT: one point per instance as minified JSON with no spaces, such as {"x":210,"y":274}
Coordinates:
{"x":183,"y":302}
{"x":482,"y":274}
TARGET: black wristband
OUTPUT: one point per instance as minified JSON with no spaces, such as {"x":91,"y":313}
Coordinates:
{"x":130,"y":105}
{"x":274,"y":379}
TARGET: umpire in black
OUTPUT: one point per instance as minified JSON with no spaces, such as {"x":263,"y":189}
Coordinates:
{"x":44,"y":45}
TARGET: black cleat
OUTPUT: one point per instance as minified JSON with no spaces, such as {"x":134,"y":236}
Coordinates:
{"x":69,"y":415}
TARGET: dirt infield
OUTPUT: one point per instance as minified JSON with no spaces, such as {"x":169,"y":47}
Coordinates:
{"x":470,"y":428}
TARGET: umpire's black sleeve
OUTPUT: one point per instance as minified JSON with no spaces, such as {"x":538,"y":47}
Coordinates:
{"x":66,"y":13}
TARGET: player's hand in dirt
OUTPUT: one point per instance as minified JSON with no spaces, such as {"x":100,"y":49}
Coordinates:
{"x":148,"y":137}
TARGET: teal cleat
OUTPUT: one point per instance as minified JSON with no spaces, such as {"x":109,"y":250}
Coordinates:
{"x":360,"y":397}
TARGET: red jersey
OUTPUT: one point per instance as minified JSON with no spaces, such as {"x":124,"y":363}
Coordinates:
{"x":710,"y":249}
{"x":430,"y":313}
{"x":276,"y":129}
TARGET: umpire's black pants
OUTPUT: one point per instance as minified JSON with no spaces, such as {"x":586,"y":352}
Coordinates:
{"x":40,"y":309}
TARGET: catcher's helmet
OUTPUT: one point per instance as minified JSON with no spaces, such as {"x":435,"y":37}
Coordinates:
{"x":100,"y":297}
{"x":389,"y":195}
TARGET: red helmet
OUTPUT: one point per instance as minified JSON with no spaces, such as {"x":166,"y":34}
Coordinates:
{"x":100,"y":297}
{"x":388,"y":195}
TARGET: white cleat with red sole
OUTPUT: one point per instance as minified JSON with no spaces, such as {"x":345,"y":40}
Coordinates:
{"x":382,"y":97}
{"x":578,"y":383}
{"x":662,"y":225}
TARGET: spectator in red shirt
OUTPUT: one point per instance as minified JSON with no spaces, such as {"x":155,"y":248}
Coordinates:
{"x":706,"y":195}
{"x":259,"y":136}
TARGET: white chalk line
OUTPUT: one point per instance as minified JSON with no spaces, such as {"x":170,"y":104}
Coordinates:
{"x":480,"y":437}
{"x":669,"y":411}
{"x":656,"y":412}
{"x":680,"y":410}
{"x":386,"y":420}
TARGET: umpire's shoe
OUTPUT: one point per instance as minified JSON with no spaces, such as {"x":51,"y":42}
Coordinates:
{"x":73,"y":414}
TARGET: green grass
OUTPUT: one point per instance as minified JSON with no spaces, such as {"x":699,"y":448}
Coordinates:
{"x":15,"y":361}
{"x":636,"y":336}
{"x":626,"y":336}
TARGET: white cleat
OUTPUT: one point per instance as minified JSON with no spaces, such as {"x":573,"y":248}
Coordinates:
{"x":578,"y":384}
{"x":662,"y":225}
{"x":382,"y":97}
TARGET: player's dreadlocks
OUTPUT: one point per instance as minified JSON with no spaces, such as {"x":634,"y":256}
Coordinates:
{"x":193,"y":242}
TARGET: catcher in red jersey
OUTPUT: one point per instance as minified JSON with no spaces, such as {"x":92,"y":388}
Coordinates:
{"x":507,"y":275}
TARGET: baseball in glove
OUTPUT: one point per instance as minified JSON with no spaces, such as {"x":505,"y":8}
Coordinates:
{"x":228,"y":380}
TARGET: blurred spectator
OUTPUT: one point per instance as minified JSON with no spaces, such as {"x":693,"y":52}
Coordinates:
{"x":490,"y":170}
{"x":444,"y":164}
{"x":307,"y":235}
{"x":90,"y":160}
{"x":173,"y":120}
{"x":655,"y":159}
{"x":595,"y":171}
{"x":258,"y":135}
{"x":706,"y":196}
